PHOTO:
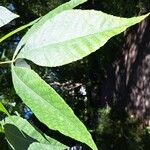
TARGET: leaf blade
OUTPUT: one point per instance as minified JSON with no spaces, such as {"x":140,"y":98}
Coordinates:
{"x":6,"y":16}
{"x":3,"y":109}
{"x":16,"y":138}
{"x":31,"y":133}
{"x":55,"y":113}
{"x":72,"y":35}
{"x":35,"y":146}
{"x":66,"y":6}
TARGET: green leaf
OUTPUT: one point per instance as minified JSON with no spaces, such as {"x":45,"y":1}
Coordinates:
{"x":6,"y":16}
{"x":39,"y":146}
{"x":1,"y":129}
{"x":22,"y":63}
{"x":66,"y":6}
{"x":48,"y":106}
{"x":72,"y":35}
{"x":17,"y":140}
{"x":3,"y":109}
{"x":25,"y":133}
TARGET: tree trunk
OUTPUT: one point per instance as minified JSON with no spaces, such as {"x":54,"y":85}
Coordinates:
{"x":132,"y":72}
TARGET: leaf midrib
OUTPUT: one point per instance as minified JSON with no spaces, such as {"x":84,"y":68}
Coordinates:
{"x":72,"y":39}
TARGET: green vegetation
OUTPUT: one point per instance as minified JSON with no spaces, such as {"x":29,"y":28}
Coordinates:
{"x":61,"y":37}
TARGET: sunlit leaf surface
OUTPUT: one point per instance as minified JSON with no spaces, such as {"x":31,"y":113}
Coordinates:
{"x":39,"y":146}
{"x":72,"y":35}
{"x":66,"y":6}
{"x":48,"y":106}
{"x":6,"y":16}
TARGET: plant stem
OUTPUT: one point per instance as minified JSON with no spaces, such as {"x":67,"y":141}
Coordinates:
{"x":6,"y":62}
{"x":13,"y":32}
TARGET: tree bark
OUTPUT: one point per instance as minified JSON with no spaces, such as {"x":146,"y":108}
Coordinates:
{"x":132,"y":73}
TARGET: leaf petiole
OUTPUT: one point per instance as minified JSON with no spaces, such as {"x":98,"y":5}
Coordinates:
{"x":18,"y":30}
{"x":6,"y":62}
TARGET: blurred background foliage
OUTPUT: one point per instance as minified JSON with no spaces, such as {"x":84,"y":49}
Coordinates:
{"x":79,"y":83}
